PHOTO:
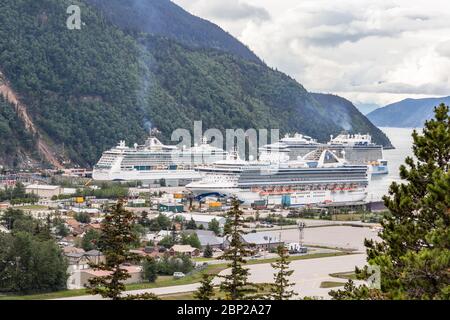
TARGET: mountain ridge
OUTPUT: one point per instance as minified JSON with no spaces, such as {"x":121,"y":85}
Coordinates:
{"x":407,"y":113}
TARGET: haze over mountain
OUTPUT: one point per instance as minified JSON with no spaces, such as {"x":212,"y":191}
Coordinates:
{"x":367,"y":108}
{"x":75,"y":93}
{"x":164,"y":18}
{"x":408,"y":113}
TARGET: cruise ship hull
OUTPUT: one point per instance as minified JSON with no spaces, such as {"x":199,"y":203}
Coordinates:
{"x":135,"y":175}
{"x":378,"y":170}
{"x":293,"y":199}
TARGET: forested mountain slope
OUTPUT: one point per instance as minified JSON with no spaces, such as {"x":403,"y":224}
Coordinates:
{"x":87,"y":89}
{"x":165,"y":18}
{"x":349,"y":117}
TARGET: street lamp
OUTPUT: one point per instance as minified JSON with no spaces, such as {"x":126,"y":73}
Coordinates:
{"x":301,"y":226}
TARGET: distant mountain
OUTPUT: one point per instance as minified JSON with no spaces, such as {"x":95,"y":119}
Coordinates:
{"x":165,"y":18}
{"x":71,"y":94}
{"x":347,"y":116}
{"x":366,"y":108}
{"x":408,"y":113}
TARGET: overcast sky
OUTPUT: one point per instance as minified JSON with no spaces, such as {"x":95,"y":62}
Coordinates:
{"x":369,"y":51}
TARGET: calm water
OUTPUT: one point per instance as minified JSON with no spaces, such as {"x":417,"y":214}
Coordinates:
{"x":402,"y":141}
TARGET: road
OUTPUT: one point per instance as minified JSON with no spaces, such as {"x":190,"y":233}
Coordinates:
{"x":307,"y":276}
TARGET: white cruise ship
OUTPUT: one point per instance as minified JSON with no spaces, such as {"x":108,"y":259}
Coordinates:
{"x":299,"y":140}
{"x":319,"y":177}
{"x":154,"y":161}
{"x":359,"y":147}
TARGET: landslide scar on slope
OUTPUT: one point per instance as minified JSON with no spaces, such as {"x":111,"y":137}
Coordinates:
{"x":22,"y":112}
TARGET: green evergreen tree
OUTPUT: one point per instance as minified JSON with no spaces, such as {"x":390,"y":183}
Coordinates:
{"x":174,"y":233}
{"x":61,"y":229}
{"x":191,"y":240}
{"x":90,"y":240}
{"x":214,"y":226}
{"x":191,"y":225}
{"x":11,"y":215}
{"x":236,"y":285}
{"x":208,"y":252}
{"x":166,"y":242}
{"x":414,"y":257}
{"x":30,"y":264}
{"x":150,"y":269}
{"x":83,"y":217}
{"x":116,"y":237}
{"x":206,"y":289}
{"x":280,"y":289}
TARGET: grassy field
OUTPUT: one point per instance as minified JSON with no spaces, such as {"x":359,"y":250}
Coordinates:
{"x":264,"y":289}
{"x":202,"y":259}
{"x":331,"y":284}
{"x":162,"y":281}
{"x":303,"y":257}
{"x":31,"y":207}
{"x":344,"y":275}
{"x":166,"y":281}
{"x":179,"y":296}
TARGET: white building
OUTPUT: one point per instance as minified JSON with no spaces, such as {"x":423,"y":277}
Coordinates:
{"x":202,"y":219}
{"x":44,"y":191}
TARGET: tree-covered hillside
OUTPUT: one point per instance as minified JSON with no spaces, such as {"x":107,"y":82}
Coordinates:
{"x":227,"y":92}
{"x":87,"y":89}
{"x":78,"y":85}
{"x":165,"y":18}
{"x":349,"y":117}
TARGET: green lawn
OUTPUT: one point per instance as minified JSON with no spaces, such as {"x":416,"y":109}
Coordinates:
{"x":45,"y":296}
{"x":166,"y":281}
{"x":202,"y":259}
{"x":331,"y":284}
{"x":344,"y":275}
{"x":169,"y":281}
{"x":304,"y":257}
{"x":179,"y":296}
{"x":264,"y":289}
{"x":162,"y":281}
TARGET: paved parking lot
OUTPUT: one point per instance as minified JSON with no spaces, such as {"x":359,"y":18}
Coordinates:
{"x":338,"y":236}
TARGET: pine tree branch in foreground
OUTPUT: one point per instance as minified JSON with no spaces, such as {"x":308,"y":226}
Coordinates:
{"x":116,"y":238}
{"x":279,"y":290}
{"x":414,"y":256}
{"x":236,"y":285}
{"x":206,"y":289}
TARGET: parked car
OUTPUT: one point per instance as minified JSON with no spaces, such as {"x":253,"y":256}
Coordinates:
{"x":295,"y":248}
{"x":178,"y":275}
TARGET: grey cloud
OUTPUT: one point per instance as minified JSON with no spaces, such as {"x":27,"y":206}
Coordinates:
{"x":333,"y":27}
{"x":236,"y":10}
{"x":334,"y":38}
{"x":346,"y":46}
{"x":403,"y":88}
{"x":444,"y":49}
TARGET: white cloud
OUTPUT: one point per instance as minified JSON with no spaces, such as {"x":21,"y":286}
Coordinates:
{"x":443,"y":48}
{"x":368,"y":51}
{"x":232,"y":15}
